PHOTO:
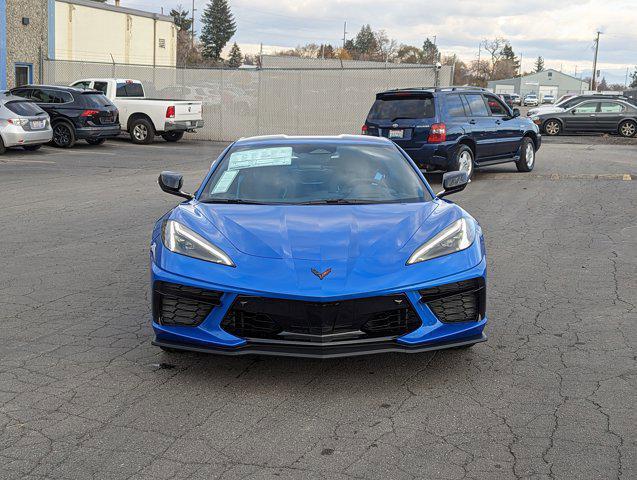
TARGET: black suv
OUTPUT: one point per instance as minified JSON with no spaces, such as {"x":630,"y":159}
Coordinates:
{"x":75,"y":114}
{"x":454,"y":128}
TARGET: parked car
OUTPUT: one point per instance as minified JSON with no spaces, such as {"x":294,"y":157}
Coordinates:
{"x":454,"y":128}
{"x":316,"y":247}
{"x":608,"y":116}
{"x":548,"y":98}
{"x":75,"y":114}
{"x":531,"y":100}
{"x":22,"y":123}
{"x":142,"y":117}
{"x":507,"y":98}
{"x":516,"y":99}
{"x":570,"y":100}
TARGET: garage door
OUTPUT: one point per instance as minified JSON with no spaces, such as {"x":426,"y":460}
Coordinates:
{"x":548,"y":90}
{"x":504,"y":89}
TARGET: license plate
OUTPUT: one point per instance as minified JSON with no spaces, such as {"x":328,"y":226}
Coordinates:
{"x":107,"y":119}
{"x":37,"y":124}
{"x":396,"y":133}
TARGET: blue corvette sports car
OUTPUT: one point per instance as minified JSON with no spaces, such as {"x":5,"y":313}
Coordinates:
{"x":316,"y":247}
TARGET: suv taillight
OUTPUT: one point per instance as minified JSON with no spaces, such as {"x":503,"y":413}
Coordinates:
{"x":170,"y":112}
{"x":438,"y":133}
{"x":89,"y":113}
{"x":364,"y":129}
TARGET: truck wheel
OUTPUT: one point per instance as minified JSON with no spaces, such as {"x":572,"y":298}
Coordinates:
{"x":172,"y":136}
{"x":628,"y":128}
{"x":31,"y":148}
{"x":95,"y":141}
{"x":463,"y":160}
{"x":527,"y":156}
{"x":552,"y":127}
{"x":63,"y":135}
{"x":142,"y":131}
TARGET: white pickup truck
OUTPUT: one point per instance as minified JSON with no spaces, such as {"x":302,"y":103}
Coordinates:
{"x":142,"y":117}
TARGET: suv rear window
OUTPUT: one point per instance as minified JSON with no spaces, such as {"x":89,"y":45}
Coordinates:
{"x":395,"y":107}
{"x":94,"y":99}
{"x":129,"y":90}
{"x":25,"y":108}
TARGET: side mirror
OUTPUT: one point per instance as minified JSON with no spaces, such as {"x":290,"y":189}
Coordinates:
{"x":516,"y":112}
{"x":171,"y":182}
{"x":453,"y":182}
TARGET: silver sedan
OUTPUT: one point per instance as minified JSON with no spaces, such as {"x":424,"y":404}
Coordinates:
{"x":22,"y":123}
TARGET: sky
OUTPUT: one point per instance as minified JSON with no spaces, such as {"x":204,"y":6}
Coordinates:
{"x":561,"y":31}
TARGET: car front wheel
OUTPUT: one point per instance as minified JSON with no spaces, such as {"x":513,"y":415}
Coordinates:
{"x":628,"y":128}
{"x":464,"y":161}
{"x":63,"y":135}
{"x":527,"y":156}
{"x":552,"y":128}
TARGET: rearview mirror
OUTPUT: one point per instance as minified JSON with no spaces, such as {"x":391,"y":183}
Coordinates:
{"x":453,"y":182}
{"x":171,"y":182}
{"x":516,"y":112}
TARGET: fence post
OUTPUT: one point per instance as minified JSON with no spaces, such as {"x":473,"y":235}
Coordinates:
{"x":221,"y":107}
{"x":259,"y":101}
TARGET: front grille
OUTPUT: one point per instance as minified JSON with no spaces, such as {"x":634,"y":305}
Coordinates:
{"x":175,"y":304}
{"x":457,"y":302}
{"x":257,"y":317}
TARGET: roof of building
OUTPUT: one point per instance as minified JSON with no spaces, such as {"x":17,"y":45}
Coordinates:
{"x":113,"y":8}
{"x":535,"y":73}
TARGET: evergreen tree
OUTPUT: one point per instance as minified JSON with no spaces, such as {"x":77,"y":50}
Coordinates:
{"x":218,"y":28}
{"x":633,"y":78}
{"x":511,"y":60}
{"x":181,"y":19}
{"x":539,"y":65}
{"x":603,"y":85}
{"x":429,"y":52}
{"x":235,"y":59}
{"x":365,"y":43}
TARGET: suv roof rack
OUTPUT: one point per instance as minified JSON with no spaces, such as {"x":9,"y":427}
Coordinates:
{"x":437,"y":89}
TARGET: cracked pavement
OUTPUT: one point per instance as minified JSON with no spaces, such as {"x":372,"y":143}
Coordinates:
{"x":83,"y":394}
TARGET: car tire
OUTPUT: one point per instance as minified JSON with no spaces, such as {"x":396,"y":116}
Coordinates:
{"x":63,"y":135}
{"x":527,"y":156}
{"x":172,"y":136}
{"x":31,"y":148}
{"x":464,"y":160}
{"x":95,"y":141}
{"x":552,"y":127}
{"x":142,"y":131}
{"x":627,"y":128}
{"x":2,"y":147}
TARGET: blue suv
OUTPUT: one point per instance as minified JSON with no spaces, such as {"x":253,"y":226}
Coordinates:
{"x":454,"y":128}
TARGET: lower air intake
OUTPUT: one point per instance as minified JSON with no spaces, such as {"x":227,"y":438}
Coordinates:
{"x":457,"y":302}
{"x":175,"y":304}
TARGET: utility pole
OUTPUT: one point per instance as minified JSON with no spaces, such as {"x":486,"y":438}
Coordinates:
{"x":344,"y":33}
{"x":626,"y":79}
{"x":595,"y":61}
{"x":192,"y":26}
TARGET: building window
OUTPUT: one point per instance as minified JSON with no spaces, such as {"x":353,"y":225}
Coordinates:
{"x":162,"y":43}
{"x":550,"y":74}
{"x":23,"y":74}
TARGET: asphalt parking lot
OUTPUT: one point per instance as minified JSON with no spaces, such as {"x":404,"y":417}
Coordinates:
{"x":83,"y":394}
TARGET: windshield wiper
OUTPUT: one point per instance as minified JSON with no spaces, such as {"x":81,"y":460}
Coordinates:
{"x":231,"y":201}
{"x":337,"y":201}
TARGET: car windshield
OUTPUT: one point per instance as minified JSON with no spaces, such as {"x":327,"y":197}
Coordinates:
{"x":314,"y":173}
{"x":398,"y":107}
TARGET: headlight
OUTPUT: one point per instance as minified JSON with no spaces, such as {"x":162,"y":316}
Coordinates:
{"x":180,"y":239}
{"x":456,"y":237}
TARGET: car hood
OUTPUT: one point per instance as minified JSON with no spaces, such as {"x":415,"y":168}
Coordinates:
{"x":318,"y":233}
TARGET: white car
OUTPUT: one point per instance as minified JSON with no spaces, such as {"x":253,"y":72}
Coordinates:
{"x":531,"y":100}
{"x":548,"y":98}
{"x":22,"y":124}
{"x":142,"y":117}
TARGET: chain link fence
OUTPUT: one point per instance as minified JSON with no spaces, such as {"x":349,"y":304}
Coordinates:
{"x":242,"y":103}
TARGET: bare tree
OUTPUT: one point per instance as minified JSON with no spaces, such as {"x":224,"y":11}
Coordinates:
{"x":387,"y":47}
{"x":494,"y":48}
